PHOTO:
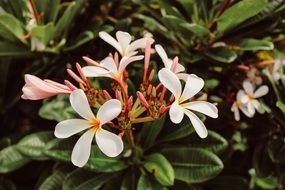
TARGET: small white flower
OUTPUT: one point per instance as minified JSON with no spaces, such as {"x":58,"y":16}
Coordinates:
{"x":108,"y":67}
{"x":275,"y":70}
{"x":181,"y":105}
{"x":168,"y":63}
{"x":123,"y":43}
{"x":109,"y":143}
{"x":238,"y":105}
{"x":249,"y":97}
{"x":252,"y":77}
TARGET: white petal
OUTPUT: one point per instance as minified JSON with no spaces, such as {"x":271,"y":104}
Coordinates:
{"x":243,"y":98}
{"x":182,"y":76}
{"x":258,"y":106}
{"x":138,"y":44}
{"x":81,"y":151}
{"x":109,"y":110}
{"x":248,"y":87}
{"x":203,"y":107}
{"x":109,"y":143}
{"x":261,"y":91}
{"x":110,"y":40}
{"x":180,"y":68}
{"x":70,"y":127}
{"x":92,"y":71}
{"x":109,"y":64}
{"x":235,"y":109}
{"x":176,"y":112}
{"x":193,"y":85}
{"x":161,"y":52}
{"x":170,"y":81}
{"x":197,"y":124}
{"x":250,"y":108}
{"x":125,"y":61}
{"x":124,"y":40}
{"x":240,"y":95}
{"x":244,"y":110}
{"x":80,"y":104}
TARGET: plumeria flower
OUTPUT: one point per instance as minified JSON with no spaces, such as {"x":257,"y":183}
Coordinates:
{"x":252,"y":77}
{"x":275,"y":70}
{"x":168,"y":63}
{"x":109,"y":143}
{"x":249,"y":97}
{"x":109,"y":68}
{"x":123,"y":42}
{"x":182,"y":105}
{"x":36,"y":88}
{"x":238,"y":105}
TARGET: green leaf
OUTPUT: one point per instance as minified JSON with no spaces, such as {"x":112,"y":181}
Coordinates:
{"x":11,"y":159}
{"x":158,"y":165}
{"x":84,"y":180}
{"x":193,"y":165}
{"x":214,"y":142}
{"x":281,"y":106}
{"x":196,"y":29}
{"x":11,"y":28}
{"x":145,"y":183}
{"x":43,"y":33}
{"x":239,"y":13}
{"x":276,"y":150}
{"x":221,"y":54}
{"x":150,"y":131}
{"x":58,"y":109}
{"x":9,"y":49}
{"x":249,"y":44}
{"x":33,"y":145}
{"x":62,"y":26}
{"x":60,"y":149}
{"x":54,"y":181}
{"x":80,"y":40}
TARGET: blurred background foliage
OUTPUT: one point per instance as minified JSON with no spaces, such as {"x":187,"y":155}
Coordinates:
{"x":215,"y":39}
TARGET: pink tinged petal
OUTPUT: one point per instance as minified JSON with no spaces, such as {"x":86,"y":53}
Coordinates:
{"x":81,"y":151}
{"x":33,"y":93}
{"x":180,"y":68}
{"x":248,"y":87}
{"x":261,"y":91}
{"x":110,"y":144}
{"x":193,"y":85}
{"x":170,"y":81}
{"x":109,"y":64}
{"x":39,"y":83}
{"x":70,"y":127}
{"x":176,"y":112}
{"x":125,"y":61}
{"x":124,"y":40}
{"x":197,"y":124}
{"x":109,"y":111}
{"x":61,"y":86}
{"x":203,"y":107}
{"x":92,"y":71}
{"x":80,"y":104}
{"x":138,"y":44}
{"x":110,"y":40}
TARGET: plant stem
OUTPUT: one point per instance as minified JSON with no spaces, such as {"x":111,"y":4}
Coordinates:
{"x":35,"y":12}
{"x":130,"y":138}
{"x":142,"y":119}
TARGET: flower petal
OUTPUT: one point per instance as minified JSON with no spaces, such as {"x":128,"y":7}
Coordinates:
{"x":124,"y":40}
{"x":109,"y":110}
{"x":261,"y":91}
{"x":32,"y":80}
{"x":193,"y":85}
{"x":258,"y":106}
{"x":125,"y":61}
{"x":179,"y":68}
{"x":203,"y":107}
{"x":138,"y":44}
{"x":81,"y":151}
{"x":34,"y":93}
{"x":110,"y":40}
{"x":170,"y":81}
{"x":92,"y":71}
{"x":176,"y":112}
{"x":70,"y":127}
{"x":197,"y":124}
{"x":182,"y":76}
{"x":109,"y":64}
{"x":162,"y":54}
{"x":109,"y":143}
{"x":248,"y":87}
{"x":235,"y":109}
{"x":250,"y":108}
{"x":80,"y":104}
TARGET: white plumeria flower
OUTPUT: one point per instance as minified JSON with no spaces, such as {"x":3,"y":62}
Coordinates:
{"x":168,"y":63}
{"x":249,"y":97}
{"x":123,"y":43}
{"x":108,"y":67}
{"x":238,"y":105}
{"x":181,"y":105}
{"x":252,"y":77}
{"x":109,"y":143}
{"x":275,"y":70}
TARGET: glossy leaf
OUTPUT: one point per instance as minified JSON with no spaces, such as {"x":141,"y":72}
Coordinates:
{"x":43,"y":33}
{"x":146,"y":183}
{"x":160,"y":167}
{"x":221,"y":54}
{"x":193,"y":165}
{"x":54,"y":181}
{"x":250,"y":44}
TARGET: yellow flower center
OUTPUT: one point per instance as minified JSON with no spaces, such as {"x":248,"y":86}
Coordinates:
{"x":95,"y":123}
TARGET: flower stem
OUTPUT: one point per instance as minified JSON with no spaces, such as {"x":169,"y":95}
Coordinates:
{"x":130,"y":138}
{"x":142,"y":119}
{"x":35,"y":12}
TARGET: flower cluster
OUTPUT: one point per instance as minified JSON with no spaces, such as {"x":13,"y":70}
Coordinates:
{"x":117,"y":110}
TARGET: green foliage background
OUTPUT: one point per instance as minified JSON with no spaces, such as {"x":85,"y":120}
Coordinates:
{"x":212,"y":39}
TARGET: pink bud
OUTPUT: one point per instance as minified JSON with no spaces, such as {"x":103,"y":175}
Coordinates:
{"x":75,"y":77}
{"x":107,"y":95}
{"x":90,"y":61}
{"x":142,"y":99}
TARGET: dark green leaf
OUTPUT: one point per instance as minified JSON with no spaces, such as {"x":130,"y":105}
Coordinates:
{"x":158,"y":165}
{"x":250,"y":44}
{"x":43,"y":33}
{"x":81,"y":39}
{"x":193,"y":165}
{"x":281,"y":106}
{"x":221,"y":54}
{"x":9,"y":49}
{"x":145,"y":183}
{"x":54,"y":181}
